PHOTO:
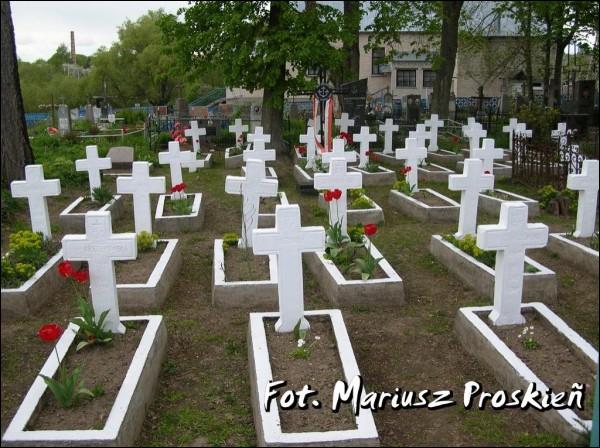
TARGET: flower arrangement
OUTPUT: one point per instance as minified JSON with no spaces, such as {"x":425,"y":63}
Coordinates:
{"x":402,"y":185}
{"x":527,"y":338}
{"x":178,"y":192}
{"x":178,"y":134}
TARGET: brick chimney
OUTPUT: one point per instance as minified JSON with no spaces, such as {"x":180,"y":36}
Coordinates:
{"x":73,"y":54}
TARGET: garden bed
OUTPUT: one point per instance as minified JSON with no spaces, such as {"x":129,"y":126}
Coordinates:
{"x":575,"y":251}
{"x":72,"y":218}
{"x":389,"y":159}
{"x":427,"y":206}
{"x":383,"y":176}
{"x":269,"y":360}
{"x":234,"y":284}
{"x":434,"y":173}
{"x":362,"y":216}
{"x":178,"y":223}
{"x":540,"y":285}
{"x":386,"y":288}
{"x":117,"y":416}
{"x":144,"y":283}
{"x":491,"y":202}
{"x":562,"y":358}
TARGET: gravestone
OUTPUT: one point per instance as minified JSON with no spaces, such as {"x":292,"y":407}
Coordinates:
{"x":509,"y":238}
{"x":354,"y":100}
{"x":141,"y":185}
{"x":587,"y":184}
{"x":412,"y":153}
{"x":100,"y":247}
{"x":339,"y":145}
{"x":195,"y":132}
{"x":35,"y":188}
{"x":239,"y":130}
{"x":288,"y":240}
{"x":121,"y":156}
{"x":470,"y":184}
{"x":64,"y":120}
{"x":339,"y":178}
{"x":510,"y":128}
{"x":93,"y":165}
{"x":89,"y":113}
{"x":311,"y":146}
{"x":388,"y":129}
{"x":176,"y":159}
{"x":434,"y":123}
{"x":413,"y":108}
{"x":474,"y":132}
{"x":258,"y":134}
{"x":252,"y":187}
{"x":344,"y":122}
{"x":364,"y":138}
{"x":488,"y":153}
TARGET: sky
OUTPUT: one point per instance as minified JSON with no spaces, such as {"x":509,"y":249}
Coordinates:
{"x":40,"y":27}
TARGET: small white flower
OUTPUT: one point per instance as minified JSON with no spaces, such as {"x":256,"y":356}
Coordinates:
{"x":301,"y":342}
{"x":531,"y":328}
{"x":318,"y":338}
{"x":519,"y":336}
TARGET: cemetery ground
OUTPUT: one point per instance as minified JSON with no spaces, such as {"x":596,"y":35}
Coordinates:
{"x":204,"y":391}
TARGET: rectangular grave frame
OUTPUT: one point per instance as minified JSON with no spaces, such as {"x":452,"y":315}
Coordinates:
{"x":492,"y":205}
{"x":476,"y":335}
{"x":423,"y":212}
{"x":359,"y":216}
{"x":584,"y":257}
{"x":71,"y":222}
{"x":179,"y":223}
{"x":384,"y":176}
{"x":442,"y":156}
{"x":268,"y":169}
{"x":268,"y":219}
{"x":233,"y":161}
{"x":268,"y":427}
{"x":127,"y":414}
{"x":434,"y":176}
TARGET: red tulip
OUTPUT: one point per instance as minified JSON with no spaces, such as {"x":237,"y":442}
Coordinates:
{"x":52,"y":131}
{"x":81,"y":276}
{"x":370,"y":229}
{"x":328,"y":196}
{"x":336,"y":194}
{"x":65,"y":269}
{"x":49,"y":332}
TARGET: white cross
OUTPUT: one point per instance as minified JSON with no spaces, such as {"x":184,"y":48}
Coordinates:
{"x":364,"y":138}
{"x":252,"y":188}
{"x":258,"y":151}
{"x":470,"y":183}
{"x":474,"y":132}
{"x":93,"y":165}
{"x":421,"y":134}
{"x":195,"y":132}
{"x":239,"y":129}
{"x":510,"y":238}
{"x":510,"y":128}
{"x":316,"y":126}
{"x":587,"y":183}
{"x":140,"y":185}
{"x":311,"y":146}
{"x":288,"y":240}
{"x":338,"y":177}
{"x":522,"y":131}
{"x":338,"y":151}
{"x":101,"y":248}
{"x":258,"y":135}
{"x":388,"y":129}
{"x":434,"y":123}
{"x":344,"y":122}
{"x":412,"y":153}
{"x":488,"y":153}
{"x":194,"y":164}
{"x":561,"y":130}
{"x":176,"y":159}
{"x":35,"y":188}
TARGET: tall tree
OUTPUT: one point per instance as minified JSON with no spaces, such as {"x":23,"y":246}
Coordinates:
{"x":259,"y":45}
{"x":16,"y":150}
{"x":352,"y":16}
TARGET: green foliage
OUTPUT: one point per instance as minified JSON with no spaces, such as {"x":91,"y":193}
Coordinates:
{"x":131,"y":116}
{"x":366,"y":265}
{"x":91,"y":331}
{"x":146,"y":241}
{"x":230,"y":239}
{"x":361,"y":203}
{"x":356,"y":193}
{"x":182,"y":206}
{"x":163,"y":138}
{"x":9,"y":205}
{"x":237,"y":149}
{"x":468,"y":244}
{"x":527,"y":337}
{"x":546,"y":194}
{"x":67,"y":389}
{"x":372,"y":167}
{"x":60,"y":167}
{"x":102,"y":195}
{"x":540,"y":119}
{"x":303,"y":350}
{"x":594,"y":241}
{"x":403,"y":187}
{"x":356,"y":233}
{"x":27,"y":252}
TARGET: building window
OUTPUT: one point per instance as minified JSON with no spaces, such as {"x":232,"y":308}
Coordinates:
{"x":313,"y":71}
{"x":377,"y":61}
{"x":406,"y":78}
{"x":428,"y":78}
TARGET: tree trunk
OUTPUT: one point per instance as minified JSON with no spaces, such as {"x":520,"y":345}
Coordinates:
{"x":547,"y":51}
{"x":528,"y":61}
{"x":16,"y":150}
{"x":352,"y":24}
{"x":273,"y":96}
{"x":557,"y":81}
{"x":448,"y":48}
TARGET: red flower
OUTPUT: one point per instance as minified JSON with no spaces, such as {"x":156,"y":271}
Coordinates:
{"x":328,"y":196}
{"x":346,"y":137}
{"x":65,"y":269}
{"x":367,"y":153}
{"x":49,"y":332}
{"x":336,"y":194}
{"x":52,"y":131}
{"x":177,"y":125}
{"x":177,"y":188}
{"x":301,"y":149}
{"x":375,"y":157}
{"x":181,"y":139}
{"x":370,"y":229}
{"x":125,"y":129}
{"x":406,"y":170}
{"x":81,"y":276}
{"x":455,"y":139}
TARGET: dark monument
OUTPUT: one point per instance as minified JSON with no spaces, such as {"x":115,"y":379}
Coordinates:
{"x":354,"y":101}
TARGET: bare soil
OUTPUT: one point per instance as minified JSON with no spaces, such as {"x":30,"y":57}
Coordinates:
{"x":101,"y":365}
{"x":554,"y":360}
{"x":87,"y":205}
{"x":140,"y":269}
{"x":267,"y":205}
{"x":429,"y":199}
{"x":242,"y":265}
{"x":588,"y":242}
{"x":321,"y":371}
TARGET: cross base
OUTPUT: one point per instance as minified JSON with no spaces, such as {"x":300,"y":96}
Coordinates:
{"x":495,"y":318}
{"x":280,"y":327}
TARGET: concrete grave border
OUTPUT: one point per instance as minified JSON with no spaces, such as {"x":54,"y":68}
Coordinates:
{"x":584,"y":257}
{"x":501,"y":170}
{"x":304,"y":181}
{"x":269,"y":172}
{"x":179,"y":223}
{"x":423,"y":212}
{"x":442,"y":156}
{"x":233,"y":161}
{"x":492,"y":205}
{"x":359,"y":216}
{"x":434,"y":176}
{"x":268,"y":219}
{"x":385,"y":176}
{"x":70,"y":222}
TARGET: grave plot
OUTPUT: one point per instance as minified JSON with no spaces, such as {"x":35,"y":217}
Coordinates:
{"x":72,"y":218}
{"x":351,"y":270}
{"x":233,"y":154}
{"x":424,"y":205}
{"x":146,"y":282}
{"x":305,"y":167}
{"x":291,"y":340}
{"x":581,"y":246}
{"x":201,"y":160}
{"x":29,"y":278}
{"x":178,"y":212}
{"x":362,"y":209}
{"x":241,"y":279}
{"x":462,"y":256}
{"x":515,"y":340}
{"x":432,"y":172}
{"x":121,"y":158}
{"x":127,"y":387}
{"x":488,"y":153}
{"x":266,"y":215}
{"x":373,"y":173}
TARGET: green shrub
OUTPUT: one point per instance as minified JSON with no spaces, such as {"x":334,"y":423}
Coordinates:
{"x":546,"y":194}
{"x":131,"y":116}
{"x":163,"y":138}
{"x":146,"y":241}
{"x":356,"y":193}
{"x":102,"y":195}
{"x":361,"y":203}
{"x":356,"y":233}
{"x":468,"y":244}
{"x":47,"y":141}
{"x":539,"y":119}
{"x":230,"y":239}
{"x":27,"y":252}
{"x":9,"y":205}
{"x":182,"y":206}
{"x":64,"y":169}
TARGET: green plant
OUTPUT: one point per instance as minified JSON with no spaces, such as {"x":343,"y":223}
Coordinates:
{"x":356,"y":233}
{"x":163,"y":138}
{"x":527,"y":338}
{"x":540,"y":119}
{"x":67,"y":388}
{"x":102,"y":195}
{"x":403,"y":187}
{"x":182,"y":206}
{"x":9,"y":205}
{"x":366,"y":266}
{"x":594,"y":241}
{"x":27,"y":252}
{"x":90,"y":330}
{"x":356,"y":193}
{"x":230,"y":239}
{"x":303,"y":350}
{"x":546,"y":194}
{"x":468,"y":244}
{"x":372,"y":167}
{"x":146,"y":241}
{"x":361,"y":203}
